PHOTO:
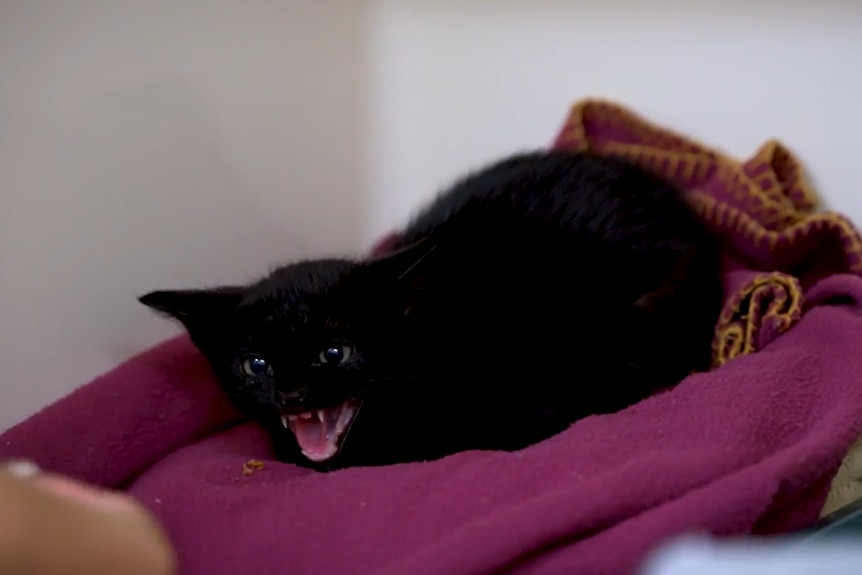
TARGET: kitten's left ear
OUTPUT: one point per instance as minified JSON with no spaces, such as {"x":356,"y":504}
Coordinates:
{"x":400,"y":262}
{"x":192,"y":306}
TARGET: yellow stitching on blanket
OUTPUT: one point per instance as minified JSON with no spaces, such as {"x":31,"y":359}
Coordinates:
{"x":738,"y":183}
{"x":802,"y":196}
{"x":754,"y":230}
{"x":733,"y":337}
{"x":654,"y":135}
{"x":718,"y":213}
{"x":735,"y":331}
{"x":782,"y":181}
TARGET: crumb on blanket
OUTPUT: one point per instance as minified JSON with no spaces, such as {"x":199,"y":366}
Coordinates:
{"x":251,"y":466}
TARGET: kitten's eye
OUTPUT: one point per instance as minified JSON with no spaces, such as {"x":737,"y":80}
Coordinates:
{"x":336,"y":354}
{"x":255,"y":366}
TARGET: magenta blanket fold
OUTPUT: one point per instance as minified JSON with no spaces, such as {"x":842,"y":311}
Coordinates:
{"x":750,"y":447}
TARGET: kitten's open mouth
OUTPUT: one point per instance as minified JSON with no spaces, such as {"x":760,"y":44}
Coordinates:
{"x":320,"y":433}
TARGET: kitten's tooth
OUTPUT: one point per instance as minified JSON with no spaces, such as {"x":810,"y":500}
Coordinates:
{"x":284,"y":421}
{"x":292,"y":417}
{"x":343,"y":419}
{"x":320,"y":415}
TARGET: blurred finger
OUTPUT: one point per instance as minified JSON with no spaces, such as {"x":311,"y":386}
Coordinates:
{"x":52,"y":525}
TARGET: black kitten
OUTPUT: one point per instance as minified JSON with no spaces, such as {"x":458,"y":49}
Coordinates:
{"x":542,"y":289}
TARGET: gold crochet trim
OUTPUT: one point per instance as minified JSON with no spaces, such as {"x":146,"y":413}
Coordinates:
{"x":767,"y":301}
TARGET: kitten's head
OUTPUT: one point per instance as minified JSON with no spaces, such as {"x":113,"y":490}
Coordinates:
{"x":303,"y":349}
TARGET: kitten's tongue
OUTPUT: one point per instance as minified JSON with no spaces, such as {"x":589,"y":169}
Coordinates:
{"x":316,"y":433}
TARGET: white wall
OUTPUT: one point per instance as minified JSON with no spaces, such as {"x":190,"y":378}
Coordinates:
{"x":184,"y":142}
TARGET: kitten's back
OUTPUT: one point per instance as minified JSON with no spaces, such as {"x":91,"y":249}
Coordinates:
{"x":583,"y":191}
{"x":575,"y":250}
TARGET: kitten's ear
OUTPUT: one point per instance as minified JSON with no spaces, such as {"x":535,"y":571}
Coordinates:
{"x":399,"y":263}
{"x":194,"y":305}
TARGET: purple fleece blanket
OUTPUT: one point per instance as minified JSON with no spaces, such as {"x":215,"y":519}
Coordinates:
{"x":750,"y":447}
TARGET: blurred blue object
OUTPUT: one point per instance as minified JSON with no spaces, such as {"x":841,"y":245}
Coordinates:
{"x":839,"y":555}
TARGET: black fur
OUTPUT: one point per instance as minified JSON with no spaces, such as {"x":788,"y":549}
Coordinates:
{"x":542,"y":289}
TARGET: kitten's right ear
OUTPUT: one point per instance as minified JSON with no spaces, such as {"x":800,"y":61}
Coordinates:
{"x":193,"y":305}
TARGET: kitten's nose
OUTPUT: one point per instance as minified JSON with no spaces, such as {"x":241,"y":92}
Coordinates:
{"x":297,"y":396}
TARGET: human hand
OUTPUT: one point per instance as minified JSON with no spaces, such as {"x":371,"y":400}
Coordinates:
{"x":51,"y":525}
